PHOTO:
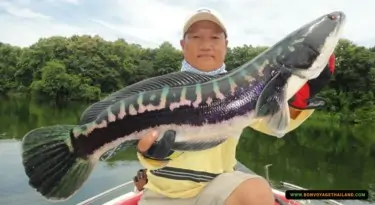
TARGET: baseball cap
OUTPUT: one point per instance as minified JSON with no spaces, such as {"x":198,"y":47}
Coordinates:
{"x":204,"y":14}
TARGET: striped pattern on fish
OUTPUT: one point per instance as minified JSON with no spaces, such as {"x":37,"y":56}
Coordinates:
{"x":208,"y":106}
{"x":202,"y":110}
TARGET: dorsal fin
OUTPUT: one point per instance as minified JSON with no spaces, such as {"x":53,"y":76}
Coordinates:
{"x":154,"y":83}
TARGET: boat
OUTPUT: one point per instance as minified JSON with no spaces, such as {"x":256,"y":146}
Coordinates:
{"x":132,"y":197}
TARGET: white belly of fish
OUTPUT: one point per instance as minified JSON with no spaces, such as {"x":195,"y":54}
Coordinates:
{"x":189,"y":133}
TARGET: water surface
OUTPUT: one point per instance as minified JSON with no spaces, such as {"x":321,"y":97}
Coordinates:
{"x":318,"y":155}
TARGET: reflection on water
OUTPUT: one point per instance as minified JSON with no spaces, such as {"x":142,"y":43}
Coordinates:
{"x":15,"y":190}
{"x":318,"y":155}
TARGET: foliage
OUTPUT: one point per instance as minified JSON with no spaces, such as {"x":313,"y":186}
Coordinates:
{"x":83,"y":68}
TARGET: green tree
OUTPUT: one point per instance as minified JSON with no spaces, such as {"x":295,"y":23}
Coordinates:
{"x":8,"y":66}
{"x":84,"y":68}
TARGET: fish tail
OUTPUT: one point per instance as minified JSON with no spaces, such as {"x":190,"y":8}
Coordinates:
{"x":51,"y":164}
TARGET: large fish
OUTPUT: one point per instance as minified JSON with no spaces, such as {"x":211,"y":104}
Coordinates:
{"x":203,"y":110}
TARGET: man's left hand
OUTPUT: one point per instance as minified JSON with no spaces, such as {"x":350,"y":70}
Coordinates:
{"x":305,"y":98}
{"x":140,"y":180}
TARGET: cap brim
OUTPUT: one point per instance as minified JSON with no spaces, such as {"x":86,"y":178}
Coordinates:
{"x":203,"y":16}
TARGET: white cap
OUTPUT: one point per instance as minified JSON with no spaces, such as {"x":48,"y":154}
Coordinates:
{"x":204,"y":14}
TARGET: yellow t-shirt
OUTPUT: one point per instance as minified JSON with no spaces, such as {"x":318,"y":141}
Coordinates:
{"x":187,"y":173}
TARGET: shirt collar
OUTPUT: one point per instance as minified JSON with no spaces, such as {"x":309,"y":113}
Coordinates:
{"x":185,"y":66}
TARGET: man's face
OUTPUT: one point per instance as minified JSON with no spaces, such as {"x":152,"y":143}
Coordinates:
{"x":205,"y":46}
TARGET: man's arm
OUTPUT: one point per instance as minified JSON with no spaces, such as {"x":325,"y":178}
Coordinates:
{"x":154,"y":155}
{"x":297,"y":118}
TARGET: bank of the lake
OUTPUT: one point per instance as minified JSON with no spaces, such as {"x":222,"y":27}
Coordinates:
{"x":318,"y":155}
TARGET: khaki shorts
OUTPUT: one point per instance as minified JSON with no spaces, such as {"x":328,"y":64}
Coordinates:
{"x":215,"y":193}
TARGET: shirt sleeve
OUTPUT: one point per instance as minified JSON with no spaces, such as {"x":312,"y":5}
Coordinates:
{"x":261,"y":126}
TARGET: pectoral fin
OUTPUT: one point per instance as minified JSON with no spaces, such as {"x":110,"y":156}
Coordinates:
{"x":272,"y":106}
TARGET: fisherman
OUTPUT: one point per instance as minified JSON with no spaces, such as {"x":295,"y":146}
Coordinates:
{"x":208,"y":177}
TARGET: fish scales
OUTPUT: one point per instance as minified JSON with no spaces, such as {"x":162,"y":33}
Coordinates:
{"x":217,"y":103}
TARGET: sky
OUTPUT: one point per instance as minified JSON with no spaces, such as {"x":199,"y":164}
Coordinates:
{"x":151,"y":22}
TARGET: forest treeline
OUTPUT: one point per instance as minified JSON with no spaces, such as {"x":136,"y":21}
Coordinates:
{"x":85,"y":68}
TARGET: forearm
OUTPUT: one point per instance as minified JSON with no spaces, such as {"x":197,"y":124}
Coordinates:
{"x":159,"y":153}
{"x":297,"y":117}
{"x":294,"y":113}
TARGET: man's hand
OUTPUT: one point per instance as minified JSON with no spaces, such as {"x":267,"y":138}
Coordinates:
{"x":147,"y":141}
{"x":158,"y":150}
{"x":140,"y":180}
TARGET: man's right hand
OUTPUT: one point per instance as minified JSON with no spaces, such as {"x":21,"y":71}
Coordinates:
{"x":157,"y":150}
{"x":147,"y":141}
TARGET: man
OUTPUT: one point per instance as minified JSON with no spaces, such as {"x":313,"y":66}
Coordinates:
{"x":208,"y":177}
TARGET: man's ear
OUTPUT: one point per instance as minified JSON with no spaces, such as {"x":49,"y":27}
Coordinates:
{"x":226,"y":42}
{"x":182,"y":43}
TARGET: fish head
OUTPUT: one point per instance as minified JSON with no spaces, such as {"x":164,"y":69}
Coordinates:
{"x":310,"y":47}
{"x":306,"y":52}
{"x":299,"y":57}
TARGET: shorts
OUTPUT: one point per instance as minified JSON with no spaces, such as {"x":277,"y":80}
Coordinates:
{"x":215,"y":193}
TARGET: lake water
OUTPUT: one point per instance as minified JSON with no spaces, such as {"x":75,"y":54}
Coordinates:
{"x":317,"y":155}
